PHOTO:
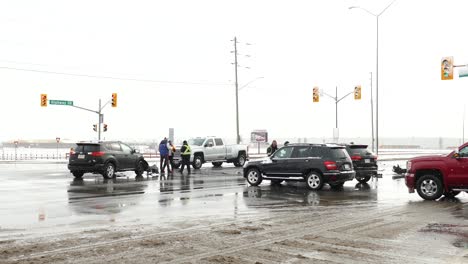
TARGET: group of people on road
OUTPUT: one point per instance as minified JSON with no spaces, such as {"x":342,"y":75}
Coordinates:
{"x":274,"y":147}
{"x":166,"y":153}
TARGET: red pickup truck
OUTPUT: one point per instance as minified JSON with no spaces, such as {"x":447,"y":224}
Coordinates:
{"x":434,"y":176}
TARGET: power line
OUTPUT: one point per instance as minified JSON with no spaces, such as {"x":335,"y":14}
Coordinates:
{"x":109,"y":77}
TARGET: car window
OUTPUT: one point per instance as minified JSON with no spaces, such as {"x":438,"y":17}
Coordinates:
{"x":283,"y":153}
{"x":113,"y":146}
{"x":301,"y":152}
{"x":196,"y":141}
{"x":338,"y":153}
{"x":209,"y":141}
{"x":86,"y":148}
{"x":463,"y":152}
{"x":219,"y":142}
{"x":125,"y":148}
{"x":358,"y":151}
{"x":316,"y":152}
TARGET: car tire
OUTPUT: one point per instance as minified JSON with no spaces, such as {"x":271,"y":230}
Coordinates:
{"x":109,"y":171}
{"x":364,"y":180}
{"x":254,"y":177}
{"x":78,"y":174}
{"x":217,"y":164}
{"x":429,"y":187}
{"x":314,"y":181}
{"x":197,"y":162}
{"x":140,"y":168}
{"x":240,"y":160}
{"x":451,"y":194}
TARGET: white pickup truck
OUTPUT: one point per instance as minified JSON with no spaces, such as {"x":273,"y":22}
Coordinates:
{"x":213,"y":149}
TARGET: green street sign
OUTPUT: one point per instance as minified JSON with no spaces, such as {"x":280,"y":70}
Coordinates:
{"x":60,"y":102}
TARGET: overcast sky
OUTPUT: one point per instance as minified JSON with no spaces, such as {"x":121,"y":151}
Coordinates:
{"x":184,"y":49}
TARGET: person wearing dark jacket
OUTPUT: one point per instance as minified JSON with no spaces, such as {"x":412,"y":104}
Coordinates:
{"x":272,"y":148}
{"x":185,"y":153}
{"x":163,"y":156}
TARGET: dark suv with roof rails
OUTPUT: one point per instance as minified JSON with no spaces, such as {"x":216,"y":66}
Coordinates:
{"x":106,"y":158}
{"x":316,"y":164}
{"x":364,"y":162}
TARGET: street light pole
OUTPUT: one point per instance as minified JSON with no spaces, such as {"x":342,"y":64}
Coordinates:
{"x":372,"y":111}
{"x":237,"y":92}
{"x":377,"y":71}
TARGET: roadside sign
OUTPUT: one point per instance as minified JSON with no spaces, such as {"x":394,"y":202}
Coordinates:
{"x":60,"y":102}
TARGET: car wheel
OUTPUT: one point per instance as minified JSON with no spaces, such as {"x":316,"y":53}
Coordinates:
{"x":429,"y":187}
{"x":364,"y":180}
{"x":78,"y":174}
{"x":254,"y":177}
{"x":276,"y":182}
{"x":140,"y":168}
{"x":314,"y":181}
{"x":240,"y":160}
{"x":197,"y":162}
{"x":451,"y":194}
{"x":217,"y":164}
{"x":109,"y":171}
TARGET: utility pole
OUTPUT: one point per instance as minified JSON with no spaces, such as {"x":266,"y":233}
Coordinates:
{"x":335,"y":98}
{"x":237,"y":91}
{"x":372,"y":110}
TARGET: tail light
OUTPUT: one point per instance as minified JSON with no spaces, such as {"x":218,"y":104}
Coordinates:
{"x":375,"y":157}
{"x":97,"y":153}
{"x":330,"y":165}
{"x":356,"y":158}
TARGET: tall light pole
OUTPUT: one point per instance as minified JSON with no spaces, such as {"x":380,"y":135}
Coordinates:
{"x":237,"y":92}
{"x":376,"y":72}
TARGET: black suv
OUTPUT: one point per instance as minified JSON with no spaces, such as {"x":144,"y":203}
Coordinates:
{"x":364,"y":162}
{"x":315,"y":164}
{"x":105,"y":158}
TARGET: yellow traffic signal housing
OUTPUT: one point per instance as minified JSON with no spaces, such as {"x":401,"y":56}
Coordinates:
{"x":357,"y":92}
{"x":43,"y":100}
{"x":446,"y":68}
{"x":316,"y":95}
{"x":114,"y":100}
{"x":105,"y":127}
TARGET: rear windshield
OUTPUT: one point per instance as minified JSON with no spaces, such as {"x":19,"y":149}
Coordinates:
{"x":338,"y":153}
{"x":87,"y":148}
{"x":361,"y":151}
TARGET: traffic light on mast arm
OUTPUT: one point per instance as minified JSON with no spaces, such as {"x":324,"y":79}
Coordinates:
{"x":446,"y":68}
{"x":95,"y":127}
{"x":43,"y":100}
{"x":114,"y":100}
{"x":105,"y":127}
{"x":316,"y":95}
{"x":357,"y":92}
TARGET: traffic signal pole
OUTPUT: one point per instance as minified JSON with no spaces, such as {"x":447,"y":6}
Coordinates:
{"x":100,"y":115}
{"x":335,"y":98}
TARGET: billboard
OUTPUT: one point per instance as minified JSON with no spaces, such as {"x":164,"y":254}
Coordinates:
{"x":260,"y":135}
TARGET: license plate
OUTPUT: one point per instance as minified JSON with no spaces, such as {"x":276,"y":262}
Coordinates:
{"x":347,"y":167}
{"x":367,"y":161}
{"x":81,"y":156}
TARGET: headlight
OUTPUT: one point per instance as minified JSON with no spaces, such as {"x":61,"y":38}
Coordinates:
{"x":408,"y":166}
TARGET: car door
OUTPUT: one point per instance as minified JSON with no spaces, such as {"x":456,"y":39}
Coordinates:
{"x":459,"y":177}
{"x":278,"y":164}
{"x":129,"y":158}
{"x":299,"y":159}
{"x":220,"y":149}
{"x":210,"y":150}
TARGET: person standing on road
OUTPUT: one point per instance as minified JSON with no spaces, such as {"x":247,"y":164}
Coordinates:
{"x":163,"y":153}
{"x":272,"y":148}
{"x":185,"y":152}
{"x":172,"y":150}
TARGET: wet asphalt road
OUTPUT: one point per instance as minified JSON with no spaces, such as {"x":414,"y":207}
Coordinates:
{"x":43,"y":200}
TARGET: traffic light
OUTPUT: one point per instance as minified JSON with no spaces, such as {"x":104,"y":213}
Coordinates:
{"x":114,"y":100}
{"x":357,"y":92}
{"x":95,"y":127}
{"x":105,"y":127}
{"x":446,"y":68}
{"x":43,"y":100}
{"x":316,"y":95}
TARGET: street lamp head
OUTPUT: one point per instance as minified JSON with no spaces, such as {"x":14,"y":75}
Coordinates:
{"x":352,"y":7}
